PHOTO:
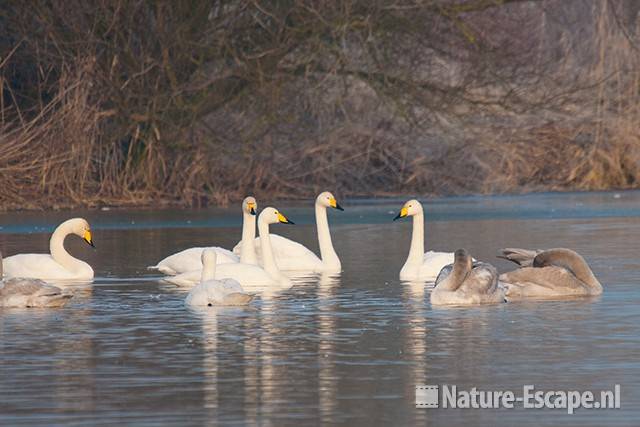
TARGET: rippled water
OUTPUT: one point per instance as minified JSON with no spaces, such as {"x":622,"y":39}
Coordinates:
{"x":340,"y":350}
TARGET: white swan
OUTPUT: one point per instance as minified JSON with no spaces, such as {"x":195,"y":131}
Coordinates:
{"x":467,"y":283}
{"x":250,"y":276}
{"x":215,"y":292}
{"x":548,"y":274}
{"x":26,"y":293}
{"x":420,"y":265}
{"x":291,"y":255}
{"x":59,"y":265}
{"x":189,"y":259}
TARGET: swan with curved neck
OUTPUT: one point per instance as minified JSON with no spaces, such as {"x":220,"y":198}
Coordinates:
{"x":250,"y":276}
{"x":291,"y":256}
{"x":215,"y":292}
{"x":467,"y":283}
{"x":548,"y":274}
{"x":190,"y":259}
{"x":59,"y":264}
{"x":420,"y":265}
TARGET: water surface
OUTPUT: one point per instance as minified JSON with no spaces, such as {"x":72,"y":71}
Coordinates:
{"x":346,"y":350}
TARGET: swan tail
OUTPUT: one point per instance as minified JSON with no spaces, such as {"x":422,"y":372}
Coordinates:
{"x":522,"y":257}
{"x":162,"y":269}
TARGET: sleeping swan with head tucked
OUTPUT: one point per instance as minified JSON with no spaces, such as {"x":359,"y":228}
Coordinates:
{"x":59,"y":264}
{"x":548,"y":274}
{"x":27,"y":293}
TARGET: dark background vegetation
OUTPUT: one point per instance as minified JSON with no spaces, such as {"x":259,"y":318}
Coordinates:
{"x":143,"y":103}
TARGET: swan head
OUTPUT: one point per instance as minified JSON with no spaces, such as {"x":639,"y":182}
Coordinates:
{"x":81,"y":228}
{"x":208,"y":257}
{"x":328,"y":200}
{"x":462,"y":257}
{"x":249,"y":205}
{"x":410,"y":208}
{"x":273,"y":216}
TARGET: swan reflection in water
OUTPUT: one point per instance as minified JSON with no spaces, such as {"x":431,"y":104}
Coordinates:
{"x":264,"y":378}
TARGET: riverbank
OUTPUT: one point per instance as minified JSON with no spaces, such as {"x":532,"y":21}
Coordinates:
{"x":162,"y":105}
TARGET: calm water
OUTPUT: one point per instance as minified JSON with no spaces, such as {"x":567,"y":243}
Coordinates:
{"x":340,"y":350}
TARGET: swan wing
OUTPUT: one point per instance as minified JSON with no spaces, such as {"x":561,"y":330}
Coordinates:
{"x":483,"y":279}
{"x":444,"y":273}
{"x":433,"y":262}
{"x":228,"y":292}
{"x":217,"y":292}
{"x":290,"y":255}
{"x":189,"y":260}
{"x":198,"y":295}
{"x":246,"y":274}
{"x":231,"y":286}
{"x":188,"y":278}
{"x":522,"y":257}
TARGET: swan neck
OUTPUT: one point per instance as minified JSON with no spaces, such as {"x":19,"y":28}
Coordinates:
{"x":56,"y":247}
{"x":457,"y":276}
{"x":248,"y":248}
{"x":327,"y":253}
{"x":268,"y":262}
{"x":208,"y":271}
{"x":582,"y":271}
{"x":416,"y":252}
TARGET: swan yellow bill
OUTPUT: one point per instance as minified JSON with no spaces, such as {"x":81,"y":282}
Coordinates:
{"x":252,"y":208}
{"x":334,"y":204}
{"x":403,"y":212}
{"x":283,"y":219}
{"x":87,"y":238}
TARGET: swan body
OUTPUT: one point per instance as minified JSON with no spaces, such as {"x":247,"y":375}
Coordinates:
{"x":293,"y":256}
{"x":215,"y":292}
{"x":467,"y":283}
{"x":420,"y":265}
{"x":189,"y":259}
{"x":26,"y":293}
{"x":250,"y":276}
{"x":548,"y":274}
{"x":59,"y":264}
